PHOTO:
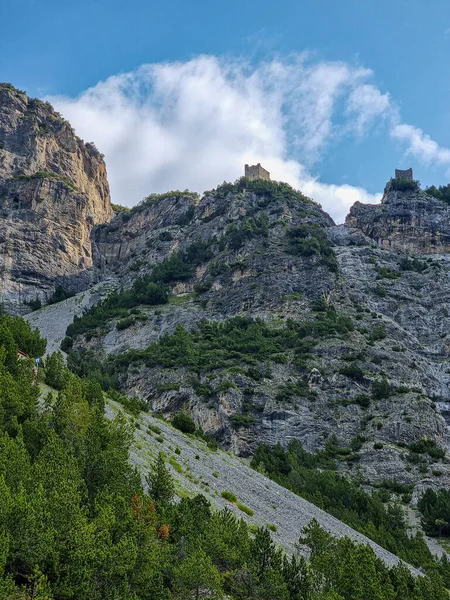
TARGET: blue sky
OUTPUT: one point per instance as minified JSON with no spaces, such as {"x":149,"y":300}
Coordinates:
{"x":343,"y":92}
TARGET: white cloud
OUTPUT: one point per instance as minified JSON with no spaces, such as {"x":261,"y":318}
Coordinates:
{"x":421,"y":145}
{"x":195,"y":124}
{"x":366,"y":104}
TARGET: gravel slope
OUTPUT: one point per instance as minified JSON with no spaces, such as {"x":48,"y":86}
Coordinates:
{"x":53,"y":320}
{"x":197,"y":469}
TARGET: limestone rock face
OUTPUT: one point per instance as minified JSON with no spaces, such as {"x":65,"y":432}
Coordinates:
{"x":410,"y":221}
{"x":53,"y":191}
{"x":396,"y":302}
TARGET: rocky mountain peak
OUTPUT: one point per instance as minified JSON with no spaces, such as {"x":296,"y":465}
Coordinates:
{"x":408,"y":219}
{"x":53,"y":191}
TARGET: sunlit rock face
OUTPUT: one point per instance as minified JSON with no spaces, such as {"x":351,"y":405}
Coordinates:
{"x":53,"y":191}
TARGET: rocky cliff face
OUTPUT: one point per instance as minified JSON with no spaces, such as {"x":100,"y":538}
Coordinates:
{"x":53,"y":191}
{"x":410,"y":221}
{"x":374,"y":324}
{"x":344,"y":341}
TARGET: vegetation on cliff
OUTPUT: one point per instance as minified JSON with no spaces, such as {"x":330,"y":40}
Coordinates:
{"x":75,"y":521}
{"x":314,"y":477}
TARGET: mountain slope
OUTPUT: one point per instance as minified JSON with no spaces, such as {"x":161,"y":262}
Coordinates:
{"x":199,"y":470}
{"x":339,"y":337}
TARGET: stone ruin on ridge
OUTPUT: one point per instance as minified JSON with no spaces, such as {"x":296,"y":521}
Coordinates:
{"x":256,"y":172}
{"x":404,"y":174}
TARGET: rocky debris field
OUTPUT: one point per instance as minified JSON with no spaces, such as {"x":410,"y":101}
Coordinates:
{"x":197,"y":469}
{"x":53,"y":320}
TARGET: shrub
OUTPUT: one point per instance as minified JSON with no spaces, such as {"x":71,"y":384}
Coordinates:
{"x":154,"y":428}
{"x":381,"y":388}
{"x":427,"y":446}
{"x":363,"y":400}
{"x":118,"y":208}
{"x":353,"y":371}
{"x":378,"y":446}
{"x":380,"y":291}
{"x":56,"y":373}
{"x":229,"y":496}
{"x":248,"y":228}
{"x":165,"y":236}
{"x":248,"y":511}
{"x":60,"y":294}
{"x":132,"y":404}
{"x":35,"y":304}
{"x":124,"y":323}
{"x":310,"y":239}
{"x":378,"y":333}
{"x":186,"y":217}
{"x":272,"y":527}
{"x":238,"y":420}
{"x":401,"y":184}
{"x":386,"y":273}
{"x":184,"y":422}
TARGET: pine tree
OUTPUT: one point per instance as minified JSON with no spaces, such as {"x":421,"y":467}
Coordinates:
{"x":160,"y":483}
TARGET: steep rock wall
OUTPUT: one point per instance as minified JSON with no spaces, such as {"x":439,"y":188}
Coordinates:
{"x":53,"y":191}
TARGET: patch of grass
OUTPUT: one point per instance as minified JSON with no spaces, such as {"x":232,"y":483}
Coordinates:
{"x":248,"y":511}
{"x":229,"y":496}
{"x":272,"y":527}
{"x":154,"y":429}
{"x":178,"y":468}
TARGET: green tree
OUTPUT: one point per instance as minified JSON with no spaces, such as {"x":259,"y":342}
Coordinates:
{"x":160,"y":483}
{"x":56,"y":374}
{"x":195,"y":574}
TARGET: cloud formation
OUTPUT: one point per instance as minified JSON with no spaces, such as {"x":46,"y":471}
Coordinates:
{"x":420,"y":145}
{"x":195,"y":124}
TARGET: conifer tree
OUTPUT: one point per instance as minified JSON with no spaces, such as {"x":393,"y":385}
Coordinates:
{"x":160,"y":483}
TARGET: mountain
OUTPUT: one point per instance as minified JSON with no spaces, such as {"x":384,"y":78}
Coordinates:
{"x":243,"y":318}
{"x":247,"y":306}
{"x":322,"y":333}
{"x":53,"y":191}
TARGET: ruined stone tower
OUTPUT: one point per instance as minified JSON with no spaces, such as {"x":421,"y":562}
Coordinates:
{"x":404,"y":174}
{"x":256,"y":172}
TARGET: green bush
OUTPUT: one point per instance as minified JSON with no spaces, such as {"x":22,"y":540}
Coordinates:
{"x":131,"y":404}
{"x":229,"y":496}
{"x":378,"y":333}
{"x":248,"y":228}
{"x":435,"y":509}
{"x":427,"y":446}
{"x":56,"y":373}
{"x":310,"y":239}
{"x":124,"y":323}
{"x":184,"y":422}
{"x":381,"y":388}
{"x":248,"y":511}
{"x":386,"y":273}
{"x":401,"y":184}
{"x":380,"y":291}
{"x":353,"y":371}
{"x":238,"y":420}
{"x":60,"y":294}
{"x":186,"y":217}
{"x":35,"y":304}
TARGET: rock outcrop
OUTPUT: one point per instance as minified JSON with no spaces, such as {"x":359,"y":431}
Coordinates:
{"x":365,"y":370}
{"x":410,"y":221}
{"x":53,"y":191}
{"x":281,"y":272}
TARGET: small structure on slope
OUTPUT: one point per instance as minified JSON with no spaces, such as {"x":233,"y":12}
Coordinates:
{"x":256,"y":172}
{"x":404,"y":174}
